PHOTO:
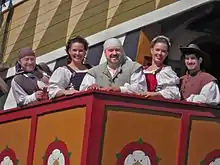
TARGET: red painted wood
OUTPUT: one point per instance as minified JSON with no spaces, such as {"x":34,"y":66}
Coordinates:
{"x":93,"y":132}
{"x":43,"y":108}
{"x":87,"y":130}
{"x":32,"y":140}
{"x":159,"y":109}
{"x":95,"y":102}
{"x":183,"y":140}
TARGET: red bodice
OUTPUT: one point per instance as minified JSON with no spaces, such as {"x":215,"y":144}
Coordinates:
{"x":151,"y":81}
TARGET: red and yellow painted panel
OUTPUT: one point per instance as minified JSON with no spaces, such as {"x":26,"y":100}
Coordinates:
{"x":122,"y":128}
{"x":15,"y":135}
{"x":204,"y":138}
{"x":66,"y":126}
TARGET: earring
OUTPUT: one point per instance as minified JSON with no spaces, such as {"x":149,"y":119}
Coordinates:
{"x":84,"y":59}
{"x":200,"y":60}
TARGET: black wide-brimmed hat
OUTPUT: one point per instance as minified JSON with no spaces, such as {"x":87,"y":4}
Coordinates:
{"x":194,"y":49}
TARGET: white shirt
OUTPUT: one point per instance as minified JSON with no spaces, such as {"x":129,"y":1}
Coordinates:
{"x":21,"y":97}
{"x":208,"y":95}
{"x":167,"y":83}
{"x":137,"y":82}
{"x":60,"y":80}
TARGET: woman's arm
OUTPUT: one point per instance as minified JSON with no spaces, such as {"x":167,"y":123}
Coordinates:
{"x":58,"y":82}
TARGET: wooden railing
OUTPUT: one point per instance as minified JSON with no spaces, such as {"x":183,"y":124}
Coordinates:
{"x":95,"y":127}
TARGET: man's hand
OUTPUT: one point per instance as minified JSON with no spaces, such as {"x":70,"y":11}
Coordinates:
{"x":93,"y":87}
{"x":111,"y":89}
{"x":39,"y":95}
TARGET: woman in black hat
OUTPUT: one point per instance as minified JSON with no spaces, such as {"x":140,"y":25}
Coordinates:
{"x":197,"y":85}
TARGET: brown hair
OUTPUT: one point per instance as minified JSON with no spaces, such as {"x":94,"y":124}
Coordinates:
{"x":78,"y":39}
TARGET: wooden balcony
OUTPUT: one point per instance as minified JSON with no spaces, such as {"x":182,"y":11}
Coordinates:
{"x":98,"y":128}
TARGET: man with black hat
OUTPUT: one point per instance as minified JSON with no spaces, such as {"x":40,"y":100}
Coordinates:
{"x":198,"y":86}
{"x":30,"y":82}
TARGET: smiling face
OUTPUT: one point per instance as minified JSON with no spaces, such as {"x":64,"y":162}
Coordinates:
{"x":113,"y":55}
{"x":159,"y":53}
{"x":192,"y":62}
{"x":77,"y":52}
{"x":28,"y":63}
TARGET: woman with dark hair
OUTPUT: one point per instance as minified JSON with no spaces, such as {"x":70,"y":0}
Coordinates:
{"x":66,"y":80}
{"x":160,"y":78}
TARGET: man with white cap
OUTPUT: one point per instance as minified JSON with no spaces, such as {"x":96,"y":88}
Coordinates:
{"x":118,"y":74}
{"x":198,"y":86}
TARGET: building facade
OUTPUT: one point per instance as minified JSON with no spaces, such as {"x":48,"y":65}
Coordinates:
{"x":46,"y":25}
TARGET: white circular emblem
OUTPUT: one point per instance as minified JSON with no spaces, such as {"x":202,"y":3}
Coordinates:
{"x":56,"y":157}
{"x":6,"y":161}
{"x":138,"y":157}
{"x":215,"y":162}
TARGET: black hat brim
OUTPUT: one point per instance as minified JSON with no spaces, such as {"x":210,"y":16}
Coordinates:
{"x":205,"y":56}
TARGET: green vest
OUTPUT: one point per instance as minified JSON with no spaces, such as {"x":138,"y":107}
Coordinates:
{"x":104,"y":78}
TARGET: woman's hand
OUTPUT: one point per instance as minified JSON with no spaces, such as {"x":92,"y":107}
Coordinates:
{"x":70,"y":92}
{"x":150,"y":94}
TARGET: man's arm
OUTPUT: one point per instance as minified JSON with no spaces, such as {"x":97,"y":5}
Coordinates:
{"x":209,"y":95}
{"x":137,"y":83}
{"x":21,"y":97}
{"x":88,"y":80}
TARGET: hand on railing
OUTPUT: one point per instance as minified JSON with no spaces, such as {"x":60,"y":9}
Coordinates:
{"x":111,"y":89}
{"x":150,"y":94}
{"x":94,"y":87}
{"x":70,"y":92}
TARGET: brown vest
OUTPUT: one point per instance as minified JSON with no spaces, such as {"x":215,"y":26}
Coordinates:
{"x":194,"y":84}
{"x":29,"y":82}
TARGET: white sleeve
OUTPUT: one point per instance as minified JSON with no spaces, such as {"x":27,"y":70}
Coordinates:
{"x":88,"y":80}
{"x":21,"y":97}
{"x":137,"y":83}
{"x":209,"y":95}
{"x":58,"y":81}
{"x":168,"y":83}
{"x":170,"y":92}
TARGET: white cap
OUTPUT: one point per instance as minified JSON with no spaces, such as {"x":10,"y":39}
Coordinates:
{"x":112,"y":42}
